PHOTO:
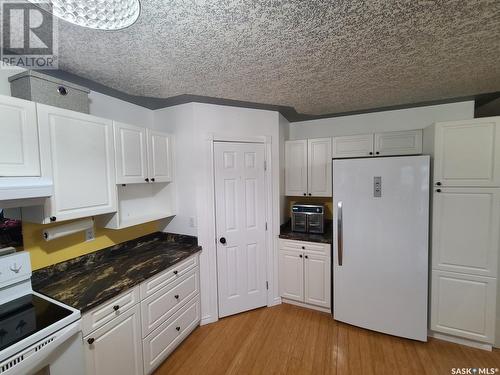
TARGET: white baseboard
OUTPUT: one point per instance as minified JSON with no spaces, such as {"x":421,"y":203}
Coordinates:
{"x":275,"y":301}
{"x":307,"y":306}
{"x":207,"y":319}
{"x":460,"y":340}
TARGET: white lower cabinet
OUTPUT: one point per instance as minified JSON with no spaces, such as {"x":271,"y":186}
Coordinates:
{"x":116,"y":348}
{"x":464,"y":305}
{"x":163,"y":340}
{"x":291,"y":273}
{"x":135,"y":332}
{"x":317,"y":280}
{"x":305,"y":272}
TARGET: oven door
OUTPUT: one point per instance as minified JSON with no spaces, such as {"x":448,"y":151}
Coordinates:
{"x":299,"y":222}
{"x":315,"y":223}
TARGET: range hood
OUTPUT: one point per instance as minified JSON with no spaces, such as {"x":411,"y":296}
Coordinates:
{"x":24,"y":191}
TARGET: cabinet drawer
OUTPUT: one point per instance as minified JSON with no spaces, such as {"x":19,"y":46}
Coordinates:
{"x":152,"y":285}
{"x":464,"y":305}
{"x":312,"y":247}
{"x":163,"y":340}
{"x":104,"y":313}
{"x":158,"y":307}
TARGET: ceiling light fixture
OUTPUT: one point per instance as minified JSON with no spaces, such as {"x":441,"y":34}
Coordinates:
{"x":97,"y":14}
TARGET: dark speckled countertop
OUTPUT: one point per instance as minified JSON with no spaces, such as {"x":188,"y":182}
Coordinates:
{"x":89,"y":280}
{"x":287,"y":233}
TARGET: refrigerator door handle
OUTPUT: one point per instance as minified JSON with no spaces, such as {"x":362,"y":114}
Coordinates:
{"x":340,"y":240}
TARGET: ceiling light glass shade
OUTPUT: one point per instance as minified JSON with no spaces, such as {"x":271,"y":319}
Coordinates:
{"x":97,"y":14}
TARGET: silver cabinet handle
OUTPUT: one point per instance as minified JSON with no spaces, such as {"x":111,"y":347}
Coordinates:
{"x":340,"y":240}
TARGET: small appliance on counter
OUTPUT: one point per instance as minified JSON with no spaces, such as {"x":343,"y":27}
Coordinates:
{"x":308,"y":218}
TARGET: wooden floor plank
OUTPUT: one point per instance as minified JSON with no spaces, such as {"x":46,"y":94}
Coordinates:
{"x":291,"y":340}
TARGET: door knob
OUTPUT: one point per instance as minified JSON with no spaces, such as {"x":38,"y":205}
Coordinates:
{"x":438,"y":183}
{"x":438,"y":190}
{"x":222,"y":240}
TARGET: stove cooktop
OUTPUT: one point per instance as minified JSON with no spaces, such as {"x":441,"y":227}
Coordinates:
{"x":25,"y":316}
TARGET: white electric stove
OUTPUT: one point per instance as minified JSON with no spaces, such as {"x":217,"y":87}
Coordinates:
{"x":37,"y":333}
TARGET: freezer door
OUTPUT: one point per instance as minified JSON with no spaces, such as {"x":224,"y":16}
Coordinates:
{"x":381,"y":241}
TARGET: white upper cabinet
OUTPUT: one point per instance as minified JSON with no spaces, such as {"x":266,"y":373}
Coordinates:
{"x":296,"y":167}
{"x":466,"y":230}
{"x":77,"y":153}
{"x":160,"y":156}
{"x":19,"y":154}
{"x":130,"y":153}
{"x":353,"y":146}
{"x":467,"y":153}
{"x":398,"y":143}
{"x":379,"y":144}
{"x":142,"y":155}
{"x":319,"y":167}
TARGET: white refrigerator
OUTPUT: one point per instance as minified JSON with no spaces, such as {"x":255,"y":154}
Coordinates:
{"x":380,"y":260}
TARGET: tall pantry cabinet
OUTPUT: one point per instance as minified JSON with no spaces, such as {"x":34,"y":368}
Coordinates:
{"x":465,"y":228}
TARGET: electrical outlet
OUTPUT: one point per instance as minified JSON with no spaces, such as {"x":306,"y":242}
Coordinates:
{"x":192,"y":222}
{"x":89,"y":234}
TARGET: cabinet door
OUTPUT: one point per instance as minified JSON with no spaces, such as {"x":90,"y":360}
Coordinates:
{"x":296,"y":167}
{"x":353,"y":146}
{"x":130,"y":153}
{"x":77,"y":152}
{"x":466,"y":230}
{"x":317,"y":280}
{"x":291,"y":274}
{"x":319,"y":167}
{"x":19,"y":154}
{"x":398,"y":143}
{"x":116,"y":348}
{"x":463,"y":305}
{"x":160,"y":156}
{"x":467,"y":153}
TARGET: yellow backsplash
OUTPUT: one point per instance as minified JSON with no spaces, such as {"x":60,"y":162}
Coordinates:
{"x":45,"y":253}
{"x":327,"y":201}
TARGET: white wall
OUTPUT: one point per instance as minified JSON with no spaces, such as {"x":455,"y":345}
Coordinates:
{"x":284,"y":134}
{"x":195,"y":125}
{"x":99,"y":104}
{"x":401,"y":119}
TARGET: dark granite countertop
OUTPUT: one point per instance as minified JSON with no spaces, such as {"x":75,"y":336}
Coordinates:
{"x":327,"y":237}
{"x":89,"y":280}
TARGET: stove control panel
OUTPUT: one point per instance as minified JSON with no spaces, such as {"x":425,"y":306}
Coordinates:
{"x":14,"y":268}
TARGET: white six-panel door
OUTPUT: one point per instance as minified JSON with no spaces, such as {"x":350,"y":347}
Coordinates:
{"x":319,"y":161}
{"x":240,"y":221}
{"x":131,"y":153}
{"x":19,"y":154}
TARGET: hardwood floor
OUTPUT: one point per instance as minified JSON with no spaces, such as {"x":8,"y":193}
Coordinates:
{"x":287,"y":339}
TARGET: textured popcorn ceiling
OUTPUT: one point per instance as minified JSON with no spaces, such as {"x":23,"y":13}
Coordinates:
{"x":319,"y":56}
